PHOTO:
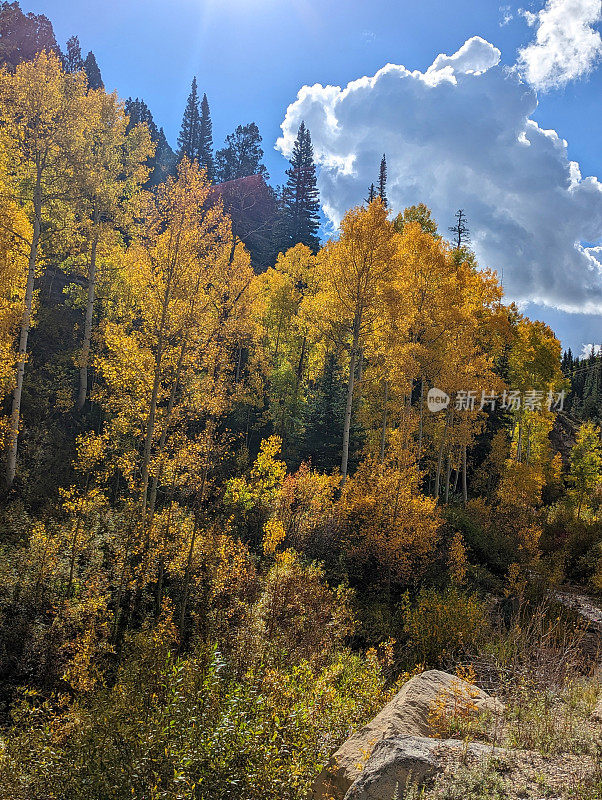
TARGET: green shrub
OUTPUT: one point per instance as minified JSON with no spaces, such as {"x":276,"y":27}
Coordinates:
{"x":186,"y":728}
{"x":444,"y":625}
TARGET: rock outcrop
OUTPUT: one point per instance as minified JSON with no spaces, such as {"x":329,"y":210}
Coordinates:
{"x":401,"y":760}
{"x":406,"y":715}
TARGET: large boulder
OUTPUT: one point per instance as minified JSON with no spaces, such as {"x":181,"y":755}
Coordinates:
{"x":406,"y":715}
{"x":401,"y":760}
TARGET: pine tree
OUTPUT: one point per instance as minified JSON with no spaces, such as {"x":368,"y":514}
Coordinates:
{"x":241,"y":156}
{"x":73,"y":61}
{"x":22,"y":36}
{"x":324,"y":417}
{"x":371,"y":194}
{"x":382,"y":181}
{"x":301,"y":199}
{"x":205,"y":153}
{"x":164,"y":161}
{"x":189,"y":139}
{"x":461,"y":231}
{"x":93,"y":72}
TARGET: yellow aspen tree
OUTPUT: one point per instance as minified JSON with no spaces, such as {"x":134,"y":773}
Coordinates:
{"x":165,"y":353}
{"x":15,"y":232}
{"x":586,"y":464}
{"x":428,"y":334}
{"x":110,"y":173}
{"x":282,"y":294}
{"x":44,"y":120}
{"x":533,"y":369}
{"x":419,"y":311}
{"x":354,"y":273}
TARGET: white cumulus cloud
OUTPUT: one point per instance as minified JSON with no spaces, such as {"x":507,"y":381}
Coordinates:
{"x":460,"y":135}
{"x":566,"y":44}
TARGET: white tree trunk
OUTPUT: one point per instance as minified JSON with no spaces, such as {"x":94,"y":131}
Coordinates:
{"x":15,"y":417}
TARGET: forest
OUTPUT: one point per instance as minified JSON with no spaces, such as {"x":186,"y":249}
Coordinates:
{"x":232,"y":520}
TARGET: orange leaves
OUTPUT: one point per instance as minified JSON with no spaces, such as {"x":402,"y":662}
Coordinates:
{"x":15,"y":232}
{"x":273,"y":536}
{"x":442,"y":625}
{"x":298,"y":616}
{"x":385,"y":518}
{"x":457,"y":561}
{"x":355,"y":269}
{"x":167,"y":354}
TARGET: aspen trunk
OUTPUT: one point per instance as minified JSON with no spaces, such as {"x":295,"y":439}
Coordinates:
{"x":163,"y":439}
{"x":464,"y":482}
{"x":85,"y":355}
{"x":349,"y":407}
{"x":383,"y":431}
{"x":188,"y":572}
{"x":150,"y":422}
{"x":278,"y":336}
{"x":420,"y":424}
{"x":238,"y":364}
{"x":440,"y":459}
{"x":301,"y":364}
{"x":150,"y":429}
{"x":15,"y":417}
{"x":447,"y":478}
{"x":72,"y":559}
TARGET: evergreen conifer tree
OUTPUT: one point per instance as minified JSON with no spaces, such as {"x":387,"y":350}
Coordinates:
{"x":300,"y":196}
{"x":241,"y":156}
{"x":93,"y":72}
{"x":188,"y":140}
{"x":72,"y":60}
{"x":382,"y":181}
{"x":460,"y":231}
{"x":164,"y":161}
{"x":205,"y":141}
{"x":24,"y":35}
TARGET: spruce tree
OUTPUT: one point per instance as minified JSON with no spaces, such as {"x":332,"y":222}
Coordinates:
{"x":382,"y":181}
{"x":460,"y":230}
{"x":205,"y":148}
{"x":164,"y":161}
{"x":188,"y":140}
{"x":138,"y":112}
{"x":325,"y":410}
{"x":93,"y":72}
{"x":371,"y":194}
{"x":300,"y":197}
{"x":241,"y":156}
{"x":72,"y":60}
{"x":24,"y":35}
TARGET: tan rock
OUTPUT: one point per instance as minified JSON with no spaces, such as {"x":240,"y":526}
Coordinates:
{"x":395,"y":762}
{"x":406,"y":715}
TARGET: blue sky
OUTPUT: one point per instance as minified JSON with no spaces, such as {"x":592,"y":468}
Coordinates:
{"x":253,"y":56}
